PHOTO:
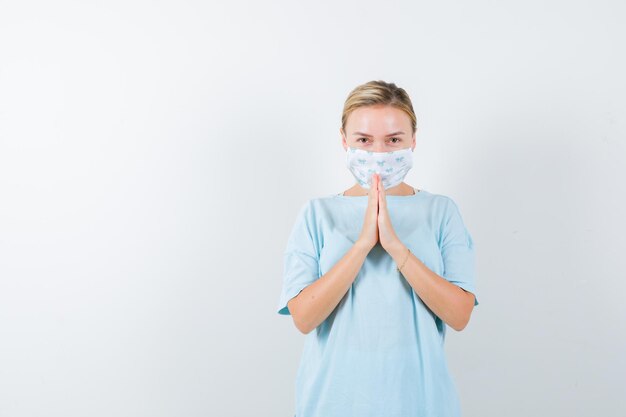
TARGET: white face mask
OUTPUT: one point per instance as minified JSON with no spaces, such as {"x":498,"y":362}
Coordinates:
{"x":392,"y":166}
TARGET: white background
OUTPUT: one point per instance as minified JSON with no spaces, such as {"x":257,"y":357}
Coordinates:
{"x":153,"y":155}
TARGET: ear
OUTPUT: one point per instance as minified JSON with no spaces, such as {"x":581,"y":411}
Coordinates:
{"x":344,"y":143}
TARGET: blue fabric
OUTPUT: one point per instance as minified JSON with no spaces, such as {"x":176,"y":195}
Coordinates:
{"x":380,"y":353}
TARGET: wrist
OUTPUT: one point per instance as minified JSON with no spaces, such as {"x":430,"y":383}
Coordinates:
{"x":398,"y":251}
{"x":362,"y":246}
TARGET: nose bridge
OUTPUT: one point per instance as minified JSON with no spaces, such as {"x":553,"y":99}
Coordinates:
{"x":379,"y":145}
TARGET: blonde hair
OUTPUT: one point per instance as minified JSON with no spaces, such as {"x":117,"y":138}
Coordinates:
{"x":378,"y":92}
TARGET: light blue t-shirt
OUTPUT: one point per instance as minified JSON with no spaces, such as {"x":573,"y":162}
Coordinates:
{"x":380,"y":353}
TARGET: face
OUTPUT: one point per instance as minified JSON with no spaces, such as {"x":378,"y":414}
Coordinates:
{"x":379,"y":128}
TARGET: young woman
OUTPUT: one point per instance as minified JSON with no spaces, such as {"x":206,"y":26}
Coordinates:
{"x":374,"y":275}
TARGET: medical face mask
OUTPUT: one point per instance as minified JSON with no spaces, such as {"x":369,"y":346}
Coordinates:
{"x":392,"y":166}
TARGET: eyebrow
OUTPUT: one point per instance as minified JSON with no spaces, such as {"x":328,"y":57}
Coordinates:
{"x":365,"y":134}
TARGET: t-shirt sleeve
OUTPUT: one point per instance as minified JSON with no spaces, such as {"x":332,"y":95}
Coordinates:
{"x":300,"y":258}
{"x":457,"y":251}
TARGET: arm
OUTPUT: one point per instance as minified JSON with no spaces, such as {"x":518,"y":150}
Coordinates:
{"x":448,"y":301}
{"x":316,"y":301}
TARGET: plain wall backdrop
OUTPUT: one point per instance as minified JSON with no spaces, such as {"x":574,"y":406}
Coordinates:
{"x":154,"y":154}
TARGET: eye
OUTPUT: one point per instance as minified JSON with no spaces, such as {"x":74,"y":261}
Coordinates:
{"x":360,"y":139}
{"x":397,"y":139}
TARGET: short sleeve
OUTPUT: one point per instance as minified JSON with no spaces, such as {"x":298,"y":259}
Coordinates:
{"x":300,"y":258}
{"x":457,"y":251}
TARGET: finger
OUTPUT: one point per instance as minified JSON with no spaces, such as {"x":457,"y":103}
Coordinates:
{"x":375,"y":181}
{"x":372,"y":196}
{"x":382,"y":201}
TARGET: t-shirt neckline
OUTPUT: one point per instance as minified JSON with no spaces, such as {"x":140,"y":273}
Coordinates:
{"x":392,"y":197}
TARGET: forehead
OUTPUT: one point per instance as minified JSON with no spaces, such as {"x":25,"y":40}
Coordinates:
{"x":379,"y":118}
